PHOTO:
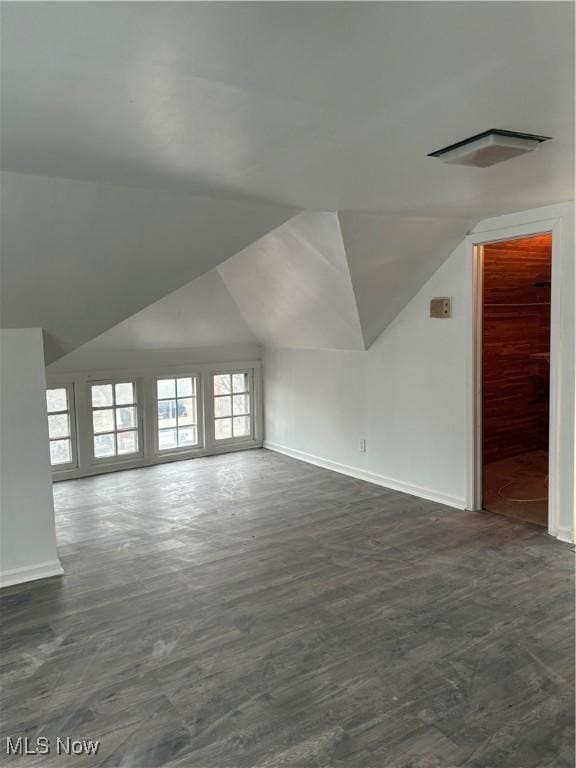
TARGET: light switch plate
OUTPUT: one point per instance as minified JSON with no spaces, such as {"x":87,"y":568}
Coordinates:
{"x":441,"y":307}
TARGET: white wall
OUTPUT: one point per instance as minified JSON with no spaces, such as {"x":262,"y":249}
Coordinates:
{"x":409,"y":394}
{"x":404,"y":396}
{"x":27,"y":530}
{"x":88,"y":359}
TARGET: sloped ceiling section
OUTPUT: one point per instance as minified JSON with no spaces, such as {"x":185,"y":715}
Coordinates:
{"x":318,"y":281}
{"x":198,"y":316}
{"x":293,"y":286}
{"x":79,"y":257}
{"x":391,"y":257}
{"x":335,"y":281}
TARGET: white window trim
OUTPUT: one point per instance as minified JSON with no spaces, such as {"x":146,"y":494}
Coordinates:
{"x":73,"y":464}
{"x":199,"y":420}
{"x":212,"y":396}
{"x":145,"y":377}
{"x":123,"y":457}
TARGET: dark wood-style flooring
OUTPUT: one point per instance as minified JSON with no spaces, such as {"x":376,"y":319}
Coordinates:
{"x":251,"y":610}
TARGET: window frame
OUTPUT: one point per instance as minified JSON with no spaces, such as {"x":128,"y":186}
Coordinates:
{"x":123,"y":457}
{"x":73,"y":464}
{"x":144,"y":376}
{"x":199,"y":397}
{"x":250,"y":437}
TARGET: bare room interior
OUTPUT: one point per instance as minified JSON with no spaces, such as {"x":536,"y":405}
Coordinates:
{"x":287,"y":390}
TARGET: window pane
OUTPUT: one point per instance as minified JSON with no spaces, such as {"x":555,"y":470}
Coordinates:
{"x":166,"y":413}
{"x":59,"y":426}
{"x":222,"y":406}
{"x":104,"y":445}
{"x":187,"y":436}
{"x":222,"y":429}
{"x":185,"y":387}
{"x":241,"y":426}
{"x":166,"y":388}
{"x":125,"y":418}
{"x":101,"y":394}
{"x":56,"y":400}
{"x":241,"y":404}
{"x":127,"y":442}
{"x":166,"y":439}
{"x":60,"y":452}
{"x":103,"y":421}
{"x":125,"y":393}
{"x":187,"y":411}
{"x":240,"y":382}
{"x":222,"y":384}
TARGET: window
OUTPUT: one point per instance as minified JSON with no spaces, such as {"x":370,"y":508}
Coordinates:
{"x":114,"y":419}
{"x":232,"y":412}
{"x":60,"y":425}
{"x":177,"y":413}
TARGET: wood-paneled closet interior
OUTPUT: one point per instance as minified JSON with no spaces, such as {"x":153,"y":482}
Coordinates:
{"x":516,"y":294}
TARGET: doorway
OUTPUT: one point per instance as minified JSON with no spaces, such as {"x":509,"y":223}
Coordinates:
{"x":515,"y":376}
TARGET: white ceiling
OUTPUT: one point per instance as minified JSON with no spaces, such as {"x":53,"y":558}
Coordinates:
{"x":148,"y":143}
{"x":199,"y":316}
{"x":390,"y":258}
{"x":318,"y":281}
{"x":80,"y":257}
{"x":293,"y":286}
{"x":316,"y":105}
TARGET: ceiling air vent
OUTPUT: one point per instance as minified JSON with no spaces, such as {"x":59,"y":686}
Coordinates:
{"x":488,"y":148}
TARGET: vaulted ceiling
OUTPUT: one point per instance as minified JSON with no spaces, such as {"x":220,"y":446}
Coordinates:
{"x":79,"y":257}
{"x":149,"y":142}
{"x":315,"y":282}
{"x":293,"y":286}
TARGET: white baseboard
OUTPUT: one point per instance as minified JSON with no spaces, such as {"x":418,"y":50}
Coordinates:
{"x":369,"y":477}
{"x":31,"y":573}
{"x":565,"y":534}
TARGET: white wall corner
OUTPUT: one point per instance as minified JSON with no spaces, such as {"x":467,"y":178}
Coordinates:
{"x":28,"y":532}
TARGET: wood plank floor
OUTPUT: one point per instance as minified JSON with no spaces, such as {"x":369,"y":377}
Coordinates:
{"x":251,"y":610}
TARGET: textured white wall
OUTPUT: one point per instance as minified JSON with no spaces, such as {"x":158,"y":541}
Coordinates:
{"x":409,"y":394}
{"x":27,"y":530}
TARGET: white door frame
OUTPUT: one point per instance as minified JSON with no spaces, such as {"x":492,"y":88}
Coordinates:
{"x":474,"y":362}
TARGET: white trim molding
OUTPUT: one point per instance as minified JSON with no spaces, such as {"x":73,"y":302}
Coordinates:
{"x":31,"y":573}
{"x":474,"y":286}
{"x":565,"y":534}
{"x":145,"y":378}
{"x":369,"y":477}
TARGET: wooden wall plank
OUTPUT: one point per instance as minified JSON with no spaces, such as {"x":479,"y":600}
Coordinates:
{"x":515,"y":327}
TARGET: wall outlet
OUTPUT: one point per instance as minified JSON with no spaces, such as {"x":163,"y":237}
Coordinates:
{"x":362,"y":446}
